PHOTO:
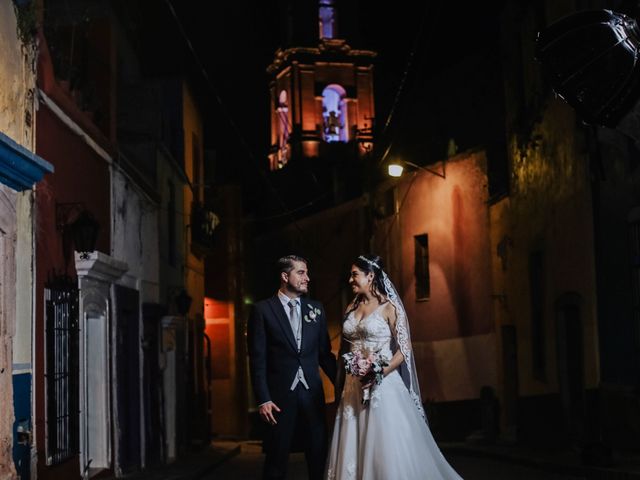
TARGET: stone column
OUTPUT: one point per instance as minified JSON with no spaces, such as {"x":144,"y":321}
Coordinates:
{"x":97,"y":272}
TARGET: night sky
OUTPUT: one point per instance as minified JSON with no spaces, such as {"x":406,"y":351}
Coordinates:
{"x":237,"y":42}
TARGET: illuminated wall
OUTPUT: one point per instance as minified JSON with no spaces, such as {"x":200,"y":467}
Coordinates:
{"x":451,"y":325}
{"x":220,"y":330}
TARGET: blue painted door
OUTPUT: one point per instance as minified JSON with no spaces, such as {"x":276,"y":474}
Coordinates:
{"x":22,"y":425}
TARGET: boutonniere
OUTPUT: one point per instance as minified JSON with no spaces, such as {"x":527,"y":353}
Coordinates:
{"x":312,"y":314}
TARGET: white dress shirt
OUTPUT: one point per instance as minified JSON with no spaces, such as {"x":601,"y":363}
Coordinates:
{"x":299,"y":378}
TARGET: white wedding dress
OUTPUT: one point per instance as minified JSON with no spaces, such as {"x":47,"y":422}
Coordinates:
{"x":388,"y":439}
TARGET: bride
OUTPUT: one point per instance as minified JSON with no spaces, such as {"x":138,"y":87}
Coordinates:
{"x":380,"y":430}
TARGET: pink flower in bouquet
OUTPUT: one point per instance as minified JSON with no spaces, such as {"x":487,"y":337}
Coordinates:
{"x":367,"y":366}
{"x":364,"y":365}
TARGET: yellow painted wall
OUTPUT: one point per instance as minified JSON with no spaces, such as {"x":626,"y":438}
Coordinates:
{"x":548,"y":209}
{"x":17,"y":106}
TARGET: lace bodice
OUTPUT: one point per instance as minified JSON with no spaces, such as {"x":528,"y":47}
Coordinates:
{"x":372,"y":333}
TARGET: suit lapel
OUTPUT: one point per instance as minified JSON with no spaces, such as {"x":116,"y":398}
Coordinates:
{"x":281,"y":315}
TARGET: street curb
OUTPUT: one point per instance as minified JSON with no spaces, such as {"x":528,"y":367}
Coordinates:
{"x":589,"y":473}
{"x":212,"y":466}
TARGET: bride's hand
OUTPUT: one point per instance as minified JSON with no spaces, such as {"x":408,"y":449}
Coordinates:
{"x":367,"y":381}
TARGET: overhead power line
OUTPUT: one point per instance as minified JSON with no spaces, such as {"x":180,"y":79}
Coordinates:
{"x":403,"y":81}
{"x":232,"y":123}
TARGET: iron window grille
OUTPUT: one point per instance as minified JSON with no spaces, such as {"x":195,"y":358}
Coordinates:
{"x":62,"y":370}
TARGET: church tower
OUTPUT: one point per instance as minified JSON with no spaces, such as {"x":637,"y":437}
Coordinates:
{"x":322,"y":102}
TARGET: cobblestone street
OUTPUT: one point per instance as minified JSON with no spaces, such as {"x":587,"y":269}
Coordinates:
{"x":248,"y":465}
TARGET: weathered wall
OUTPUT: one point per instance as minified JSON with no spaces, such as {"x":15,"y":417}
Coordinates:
{"x":549,"y":208}
{"x":171,"y":257}
{"x":135,"y":236}
{"x":542,"y":244}
{"x":16,"y":117}
{"x":195,"y":265}
{"x":82,"y":179}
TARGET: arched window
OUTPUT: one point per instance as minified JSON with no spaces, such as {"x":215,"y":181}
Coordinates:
{"x":327,"y":19}
{"x":334,"y":114}
{"x":282,"y":112}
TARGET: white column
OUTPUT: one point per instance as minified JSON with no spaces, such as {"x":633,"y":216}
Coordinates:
{"x":96,"y":273}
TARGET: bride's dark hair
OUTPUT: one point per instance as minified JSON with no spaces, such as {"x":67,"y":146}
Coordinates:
{"x":372,"y":264}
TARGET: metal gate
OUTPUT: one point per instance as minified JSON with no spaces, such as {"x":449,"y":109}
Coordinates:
{"x":62,"y":369}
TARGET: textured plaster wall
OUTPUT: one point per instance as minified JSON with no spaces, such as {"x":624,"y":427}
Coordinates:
{"x":135,"y":237}
{"x":16,"y":105}
{"x":452,"y":330}
{"x":195,"y":265}
{"x":7,"y":327}
{"x":549,"y":210}
{"x":171,"y":277}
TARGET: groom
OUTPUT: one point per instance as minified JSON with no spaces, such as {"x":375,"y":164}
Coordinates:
{"x":288,"y":342}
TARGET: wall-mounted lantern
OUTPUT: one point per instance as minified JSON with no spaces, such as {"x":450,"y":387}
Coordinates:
{"x":396,"y":168}
{"x":78,"y":227}
{"x":84,"y":232}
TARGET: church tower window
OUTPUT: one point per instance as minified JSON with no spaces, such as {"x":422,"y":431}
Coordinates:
{"x":334,"y":114}
{"x":284,"y":129}
{"x":327,"y":19}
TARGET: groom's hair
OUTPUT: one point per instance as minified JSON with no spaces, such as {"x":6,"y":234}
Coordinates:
{"x":285,"y":264}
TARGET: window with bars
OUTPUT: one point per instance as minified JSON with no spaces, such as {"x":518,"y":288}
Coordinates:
{"x":62,"y":370}
{"x":423,"y":282}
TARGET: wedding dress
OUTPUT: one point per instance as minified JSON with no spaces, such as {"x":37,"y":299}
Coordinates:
{"x":388,"y":439}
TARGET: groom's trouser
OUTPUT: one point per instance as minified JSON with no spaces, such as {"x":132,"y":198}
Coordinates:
{"x":299,"y":409}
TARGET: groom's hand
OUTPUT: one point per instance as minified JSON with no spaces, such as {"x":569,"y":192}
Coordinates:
{"x":266,"y":412}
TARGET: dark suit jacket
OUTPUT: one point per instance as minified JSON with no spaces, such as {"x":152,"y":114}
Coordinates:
{"x":273,"y":355}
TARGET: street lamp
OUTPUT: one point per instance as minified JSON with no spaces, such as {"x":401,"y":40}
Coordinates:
{"x":396,"y":168}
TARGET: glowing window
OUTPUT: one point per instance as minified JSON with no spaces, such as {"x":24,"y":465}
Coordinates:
{"x":282,"y":112}
{"x":334,"y":114}
{"x":327,"y":18}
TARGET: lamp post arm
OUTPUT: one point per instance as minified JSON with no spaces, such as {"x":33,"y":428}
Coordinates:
{"x":433,"y":172}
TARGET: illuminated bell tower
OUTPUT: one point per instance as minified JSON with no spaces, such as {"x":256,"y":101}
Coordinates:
{"x":320,"y":96}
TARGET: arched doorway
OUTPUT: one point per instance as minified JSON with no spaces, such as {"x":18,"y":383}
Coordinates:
{"x":570,"y":350}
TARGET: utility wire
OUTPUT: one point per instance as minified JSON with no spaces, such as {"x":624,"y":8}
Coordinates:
{"x":403,"y":81}
{"x":232,"y":123}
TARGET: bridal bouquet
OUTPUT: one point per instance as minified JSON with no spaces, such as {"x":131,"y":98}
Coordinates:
{"x":366,"y":365}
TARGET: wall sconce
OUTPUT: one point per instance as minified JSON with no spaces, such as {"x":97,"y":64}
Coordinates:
{"x":396,"y":168}
{"x":78,"y":226}
{"x":84,"y":232}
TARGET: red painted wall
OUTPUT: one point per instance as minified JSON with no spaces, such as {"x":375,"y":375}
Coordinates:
{"x":80,"y":176}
